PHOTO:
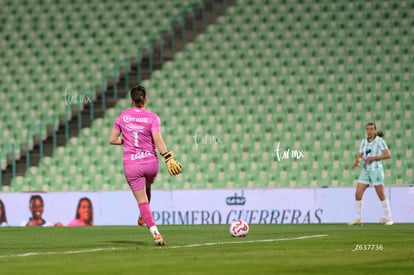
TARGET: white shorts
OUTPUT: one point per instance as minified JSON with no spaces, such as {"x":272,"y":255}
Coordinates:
{"x":374,"y":177}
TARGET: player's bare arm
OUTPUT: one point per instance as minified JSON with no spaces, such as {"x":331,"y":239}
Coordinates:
{"x":159,"y":142}
{"x":386,"y":154}
{"x":357,"y":160}
{"x":115,"y":137}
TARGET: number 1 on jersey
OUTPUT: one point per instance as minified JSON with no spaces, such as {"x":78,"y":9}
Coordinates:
{"x":135,"y":138}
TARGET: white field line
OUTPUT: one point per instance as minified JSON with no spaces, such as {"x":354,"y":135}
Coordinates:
{"x":61,"y":252}
{"x":29,"y":254}
{"x":249,"y":241}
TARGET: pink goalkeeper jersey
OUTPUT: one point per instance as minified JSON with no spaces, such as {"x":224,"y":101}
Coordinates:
{"x":136,"y":126}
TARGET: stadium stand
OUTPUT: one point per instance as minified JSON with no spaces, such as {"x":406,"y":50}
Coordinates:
{"x":301,"y":76}
{"x":62,"y":50}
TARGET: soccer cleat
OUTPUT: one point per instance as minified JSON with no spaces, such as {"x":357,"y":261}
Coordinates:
{"x":387,"y":221}
{"x":356,"y":222}
{"x":141,"y":221}
{"x":159,"y":240}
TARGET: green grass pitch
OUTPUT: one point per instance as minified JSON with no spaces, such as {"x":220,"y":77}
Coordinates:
{"x":209,"y":249}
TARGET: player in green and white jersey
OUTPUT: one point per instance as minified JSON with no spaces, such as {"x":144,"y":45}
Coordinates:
{"x":372,"y":151}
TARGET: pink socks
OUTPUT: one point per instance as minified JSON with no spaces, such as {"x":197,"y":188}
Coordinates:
{"x":146,"y":214}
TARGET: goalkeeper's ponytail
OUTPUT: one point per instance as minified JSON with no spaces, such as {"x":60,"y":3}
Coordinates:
{"x":138,"y":96}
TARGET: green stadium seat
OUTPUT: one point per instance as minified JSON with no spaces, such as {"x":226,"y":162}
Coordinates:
{"x":311,"y":82}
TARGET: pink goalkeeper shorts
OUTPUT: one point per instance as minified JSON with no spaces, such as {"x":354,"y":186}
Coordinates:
{"x":137,"y":175}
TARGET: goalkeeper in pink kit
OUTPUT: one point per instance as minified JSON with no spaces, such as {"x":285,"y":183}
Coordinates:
{"x":139,"y":131}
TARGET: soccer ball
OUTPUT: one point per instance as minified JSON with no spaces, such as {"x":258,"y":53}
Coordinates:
{"x":239,"y":228}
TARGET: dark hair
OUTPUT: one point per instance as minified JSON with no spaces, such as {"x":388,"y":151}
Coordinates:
{"x":35,"y":197}
{"x":138,"y":95}
{"x":90,"y":221}
{"x":379,"y":133}
{"x":3,"y":217}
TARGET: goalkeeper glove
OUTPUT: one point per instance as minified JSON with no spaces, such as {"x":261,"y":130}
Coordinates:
{"x":174,"y":167}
